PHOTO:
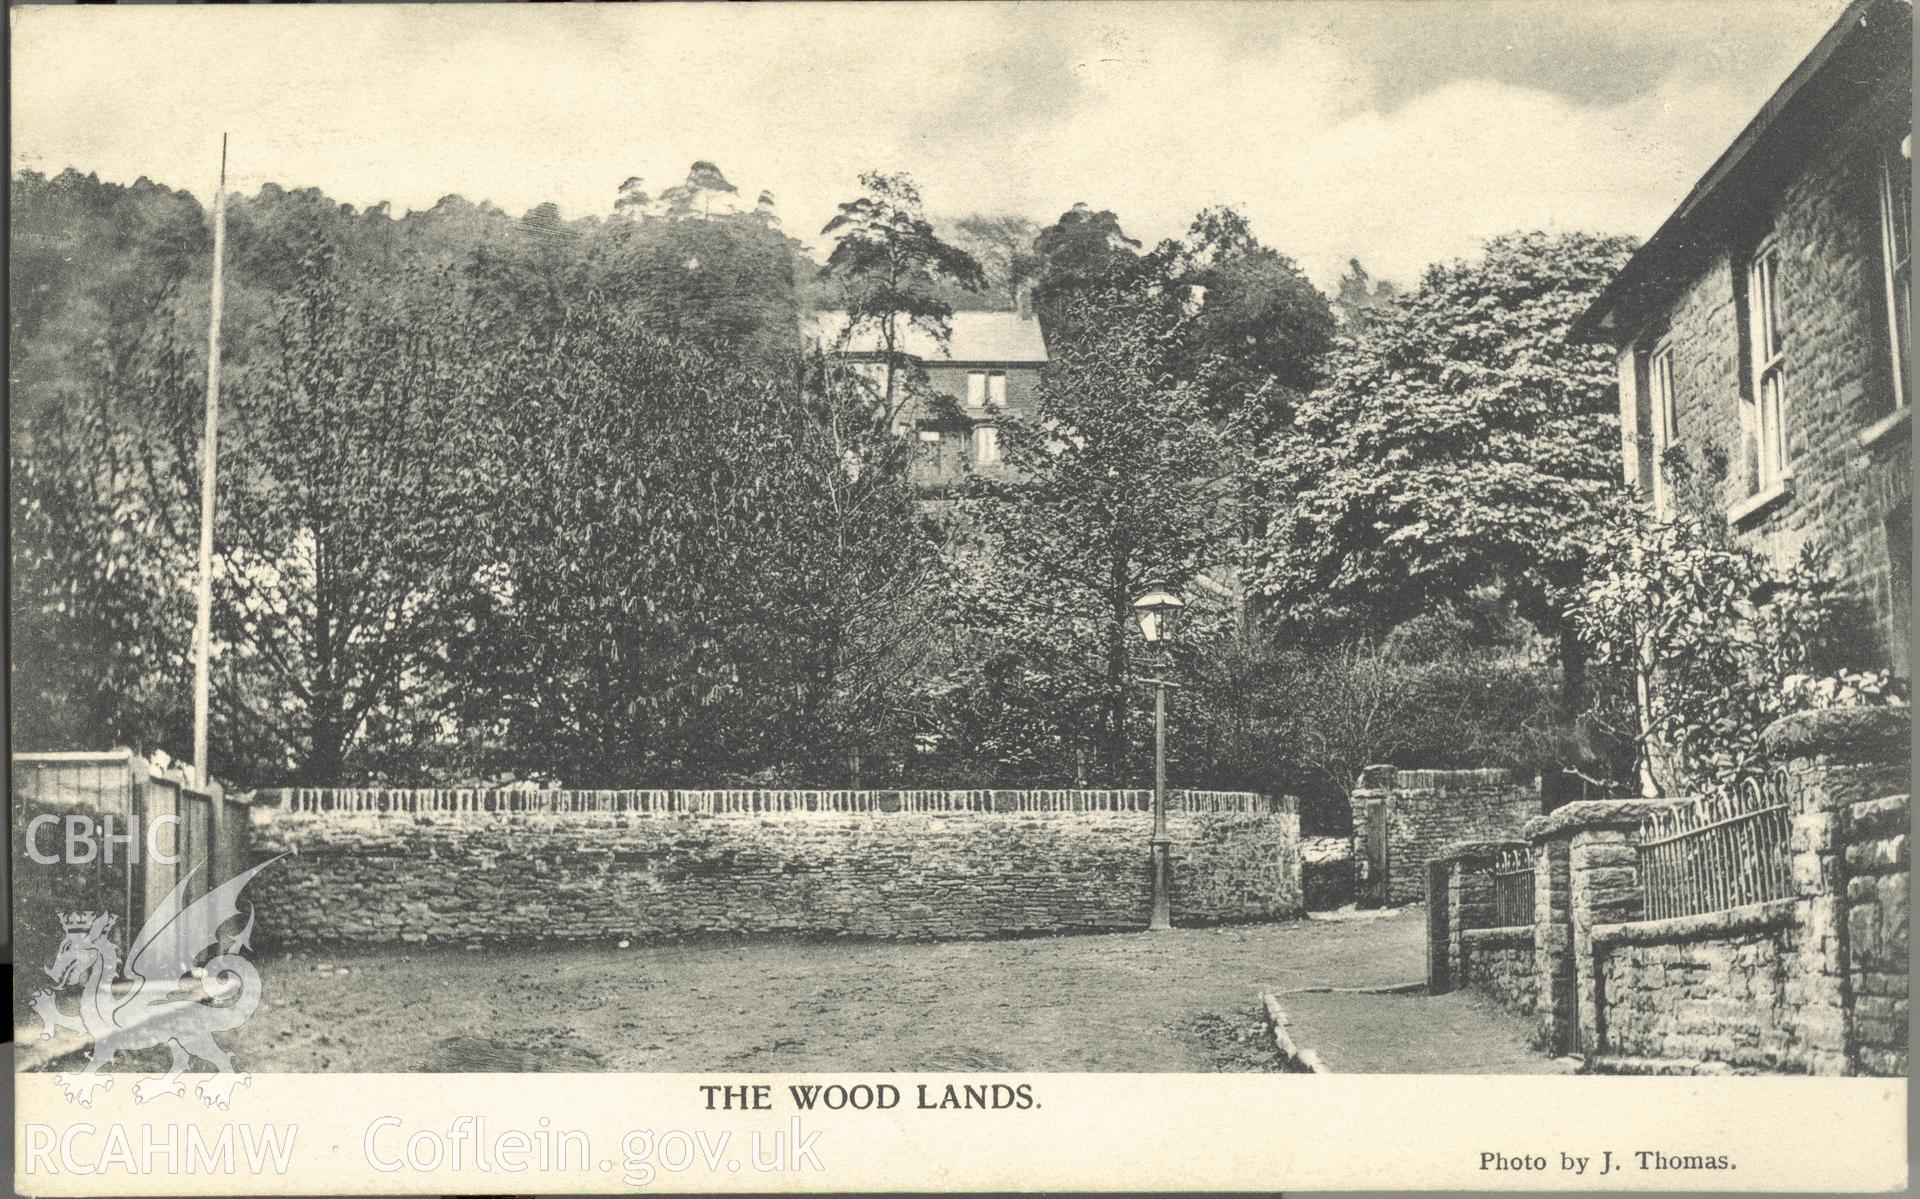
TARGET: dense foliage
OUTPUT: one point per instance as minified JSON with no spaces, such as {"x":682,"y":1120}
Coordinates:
{"x":565,"y":498}
{"x":1109,"y":494}
{"x":425,"y":419}
{"x":1462,"y":440}
{"x":1705,"y":644}
{"x":691,"y":572}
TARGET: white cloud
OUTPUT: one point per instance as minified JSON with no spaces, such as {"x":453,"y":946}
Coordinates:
{"x":1152,"y":111}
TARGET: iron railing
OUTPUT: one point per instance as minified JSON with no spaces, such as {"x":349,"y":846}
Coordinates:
{"x":1513,"y":888}
{"x":1717,"y":853}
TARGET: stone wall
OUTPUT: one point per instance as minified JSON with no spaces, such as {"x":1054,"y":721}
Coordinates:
{"x":1465,"y":949}
{"x":1426,"y":810}
{"x":1711,"y":988}
{"x":1555,"y":998}
{"x":1879,"y":876}
{"x":1499,"y":961}
{"x":478,"y":875}
{"x":1812,"y":981}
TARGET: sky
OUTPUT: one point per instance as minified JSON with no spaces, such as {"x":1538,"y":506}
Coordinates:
{"x":1400,"y":132}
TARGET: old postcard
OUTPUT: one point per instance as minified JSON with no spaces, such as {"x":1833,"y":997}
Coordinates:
{"x":812,"y":597}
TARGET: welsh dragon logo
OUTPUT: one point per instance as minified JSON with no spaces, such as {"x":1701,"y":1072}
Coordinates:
{"x":147,"y":1007}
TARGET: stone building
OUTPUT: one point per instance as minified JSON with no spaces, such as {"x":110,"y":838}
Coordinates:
{"x":986,"y":370}
{"x":1763,"y":330}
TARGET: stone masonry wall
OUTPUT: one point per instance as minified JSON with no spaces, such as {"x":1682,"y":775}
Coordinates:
{"x":1851,"y":470}
{"x":515,"y":876}
{"x":1428,"y":810}
{"x":1553,"y":966}
{"x":1878,"y":883}
{"x":1811,"y":981}
{"x":1499,"y":961}
{"x":1707,"y":989}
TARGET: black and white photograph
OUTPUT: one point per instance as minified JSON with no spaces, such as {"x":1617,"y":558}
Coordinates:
{"x":864,"y":559}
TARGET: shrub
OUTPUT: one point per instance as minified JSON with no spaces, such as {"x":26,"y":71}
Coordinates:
{"x":1705,"y":644}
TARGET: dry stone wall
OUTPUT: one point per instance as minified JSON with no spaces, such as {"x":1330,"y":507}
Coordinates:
{"x":1427,"y":810}
{"x":1499,"y":961}
{"x":475,"y":874}
{"x":1710,"y":988}
{"x":1812,"y":981}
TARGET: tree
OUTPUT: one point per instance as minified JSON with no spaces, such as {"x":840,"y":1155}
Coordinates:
{"x":1360,"y":296}
{"x":1463,"y":440}
{"x":1003,"y":245}
{"x":1260,"y":327}
{"x":99,"y":624}
{"x":1106,"y":497}
{"x":765,"y":212}
{"x":1082,"y":250}
{"x":346,"y":492}
{"x":727,"y":284}
{"x":1703,"y":645}
{"x":694,"y":568}
{"x":703,"y":187}
{"x":633,"y":200}
{"x":892,"y":264}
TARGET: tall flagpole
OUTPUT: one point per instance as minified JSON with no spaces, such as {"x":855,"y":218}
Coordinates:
{"x":209,"y":453}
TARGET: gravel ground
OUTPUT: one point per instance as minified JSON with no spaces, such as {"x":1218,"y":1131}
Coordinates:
{"x":1187,"y":1000}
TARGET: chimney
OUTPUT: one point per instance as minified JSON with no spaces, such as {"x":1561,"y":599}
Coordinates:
{"x":1023,"y":299}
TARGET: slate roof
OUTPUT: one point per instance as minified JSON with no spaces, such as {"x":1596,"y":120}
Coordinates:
{"x":1006,"y":338}
{"x":1865,"y":46}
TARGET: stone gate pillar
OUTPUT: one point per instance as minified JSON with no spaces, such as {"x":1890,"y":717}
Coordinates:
{"x":1603,"y":887}
{"x":1553,"y":971}
{"x":1837,"y":761}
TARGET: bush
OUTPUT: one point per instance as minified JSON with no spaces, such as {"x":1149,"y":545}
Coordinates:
{"x":1460,"y":688}
{"x":1700,"y":644}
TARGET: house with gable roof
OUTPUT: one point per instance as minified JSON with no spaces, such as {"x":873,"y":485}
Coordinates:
{"x":987,"y":370}
{"x":1764,"y":331}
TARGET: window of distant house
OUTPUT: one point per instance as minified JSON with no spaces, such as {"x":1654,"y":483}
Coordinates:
{"x":997,"y":388}
{"x":976,"y":389}
{"x":1896,"y":196}
{"x":986,"y":445}
{"x":1766,"y":407}
{"x":1665,"y":422}
{"x":929,"y":435}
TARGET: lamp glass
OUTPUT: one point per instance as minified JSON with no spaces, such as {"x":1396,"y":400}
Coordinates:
{"x":1157,"y":609}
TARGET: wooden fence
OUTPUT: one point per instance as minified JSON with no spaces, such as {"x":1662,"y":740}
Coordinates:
{"x":138,"y":830}
{"x":1717,"y":853}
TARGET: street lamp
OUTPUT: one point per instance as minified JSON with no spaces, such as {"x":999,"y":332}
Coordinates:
{"x":1158,"y":611}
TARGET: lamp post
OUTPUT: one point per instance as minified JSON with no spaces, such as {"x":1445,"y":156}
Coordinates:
{"x":1158,"y":609}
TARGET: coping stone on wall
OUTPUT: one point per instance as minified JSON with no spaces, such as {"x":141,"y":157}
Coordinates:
{"x":1511,"y":934}
{"x":1701,"y":926}
{"x":1473,"y":850}
{"x":1863,"y":734}
{"x":1596,"y":813}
